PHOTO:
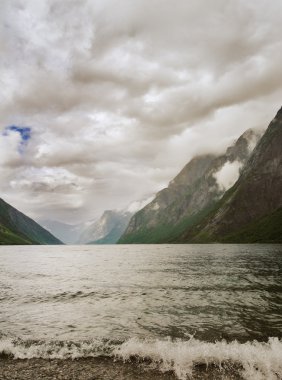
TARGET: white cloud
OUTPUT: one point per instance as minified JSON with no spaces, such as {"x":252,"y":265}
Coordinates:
{"x":138,"y":205}
{"x":9,"y":149}
{"x":228,"y":174}
{"x":47,"y":179}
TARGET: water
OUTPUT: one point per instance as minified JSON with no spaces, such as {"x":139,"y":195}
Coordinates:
{"x":177,"y":305}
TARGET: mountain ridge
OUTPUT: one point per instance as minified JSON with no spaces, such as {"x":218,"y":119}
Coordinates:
{"x":17,"y":228}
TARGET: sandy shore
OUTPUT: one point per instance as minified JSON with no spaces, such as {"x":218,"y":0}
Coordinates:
{"x":92,"y":369}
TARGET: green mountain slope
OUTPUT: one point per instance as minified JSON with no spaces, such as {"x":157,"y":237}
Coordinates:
{"x":267,"y":229}
{"x":17,"y":228}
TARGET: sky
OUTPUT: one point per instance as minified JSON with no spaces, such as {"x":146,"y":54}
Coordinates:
{"x":102,"y":102}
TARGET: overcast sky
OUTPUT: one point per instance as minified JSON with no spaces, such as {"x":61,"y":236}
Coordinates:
{"x":103,"y":101}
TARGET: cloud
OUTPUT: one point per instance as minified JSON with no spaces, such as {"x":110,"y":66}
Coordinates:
{"x":119,"y":95}
{"x":48,"y":180}
{"x":9,"y":149}
{"x":138,"y":205}
{"x":25,"y":134}
{"x":228,"y":174}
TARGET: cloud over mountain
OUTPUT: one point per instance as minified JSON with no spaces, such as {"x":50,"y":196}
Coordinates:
{"x":119,"y":95}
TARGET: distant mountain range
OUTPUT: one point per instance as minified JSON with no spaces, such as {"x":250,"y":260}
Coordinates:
{"x":17,"y":228}
{"x":67,"y":233}
{"x":107,"y":229}
{"x":235,"y":197}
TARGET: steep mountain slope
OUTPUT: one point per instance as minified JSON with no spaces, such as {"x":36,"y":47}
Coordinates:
{"x":251,"y":211}
{"x":17,"y":228}
{"x":106,"y":230}
{"x":191,"y":195}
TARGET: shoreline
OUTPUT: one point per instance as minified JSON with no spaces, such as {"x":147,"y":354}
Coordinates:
{"x":100,"y":368}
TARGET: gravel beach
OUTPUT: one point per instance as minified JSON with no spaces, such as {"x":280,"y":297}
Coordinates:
{"x":95,"y":369}
{"x":78,"y":369}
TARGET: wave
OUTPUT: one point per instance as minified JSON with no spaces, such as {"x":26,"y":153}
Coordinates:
{"x":254,"y":360}
{"x":250,"y":360}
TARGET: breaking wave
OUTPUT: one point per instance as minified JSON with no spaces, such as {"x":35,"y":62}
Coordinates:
{"x":254,"y":360}
{"x":250,"y":360}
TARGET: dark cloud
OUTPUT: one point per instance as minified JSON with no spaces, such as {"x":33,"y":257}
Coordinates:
{"x":121,"y":94}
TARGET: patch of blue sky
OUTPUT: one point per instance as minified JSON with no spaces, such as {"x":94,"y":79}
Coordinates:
{"x":25,"y":134}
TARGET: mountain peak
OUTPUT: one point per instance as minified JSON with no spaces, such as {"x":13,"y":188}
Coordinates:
{"x":279,"y":113}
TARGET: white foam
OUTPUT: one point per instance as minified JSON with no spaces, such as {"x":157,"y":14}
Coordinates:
{"x":260,"y":361}
{"x":256,"y":361}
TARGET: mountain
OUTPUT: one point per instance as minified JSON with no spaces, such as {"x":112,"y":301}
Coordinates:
{"x":67,"y":233}
{"x":191,"y":195}
{"x":107,"y":229}
{"x":251,"y":211}
{"x":17,"y":228}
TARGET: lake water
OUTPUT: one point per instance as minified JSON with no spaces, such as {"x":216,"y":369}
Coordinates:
{"x":177,"y":306}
